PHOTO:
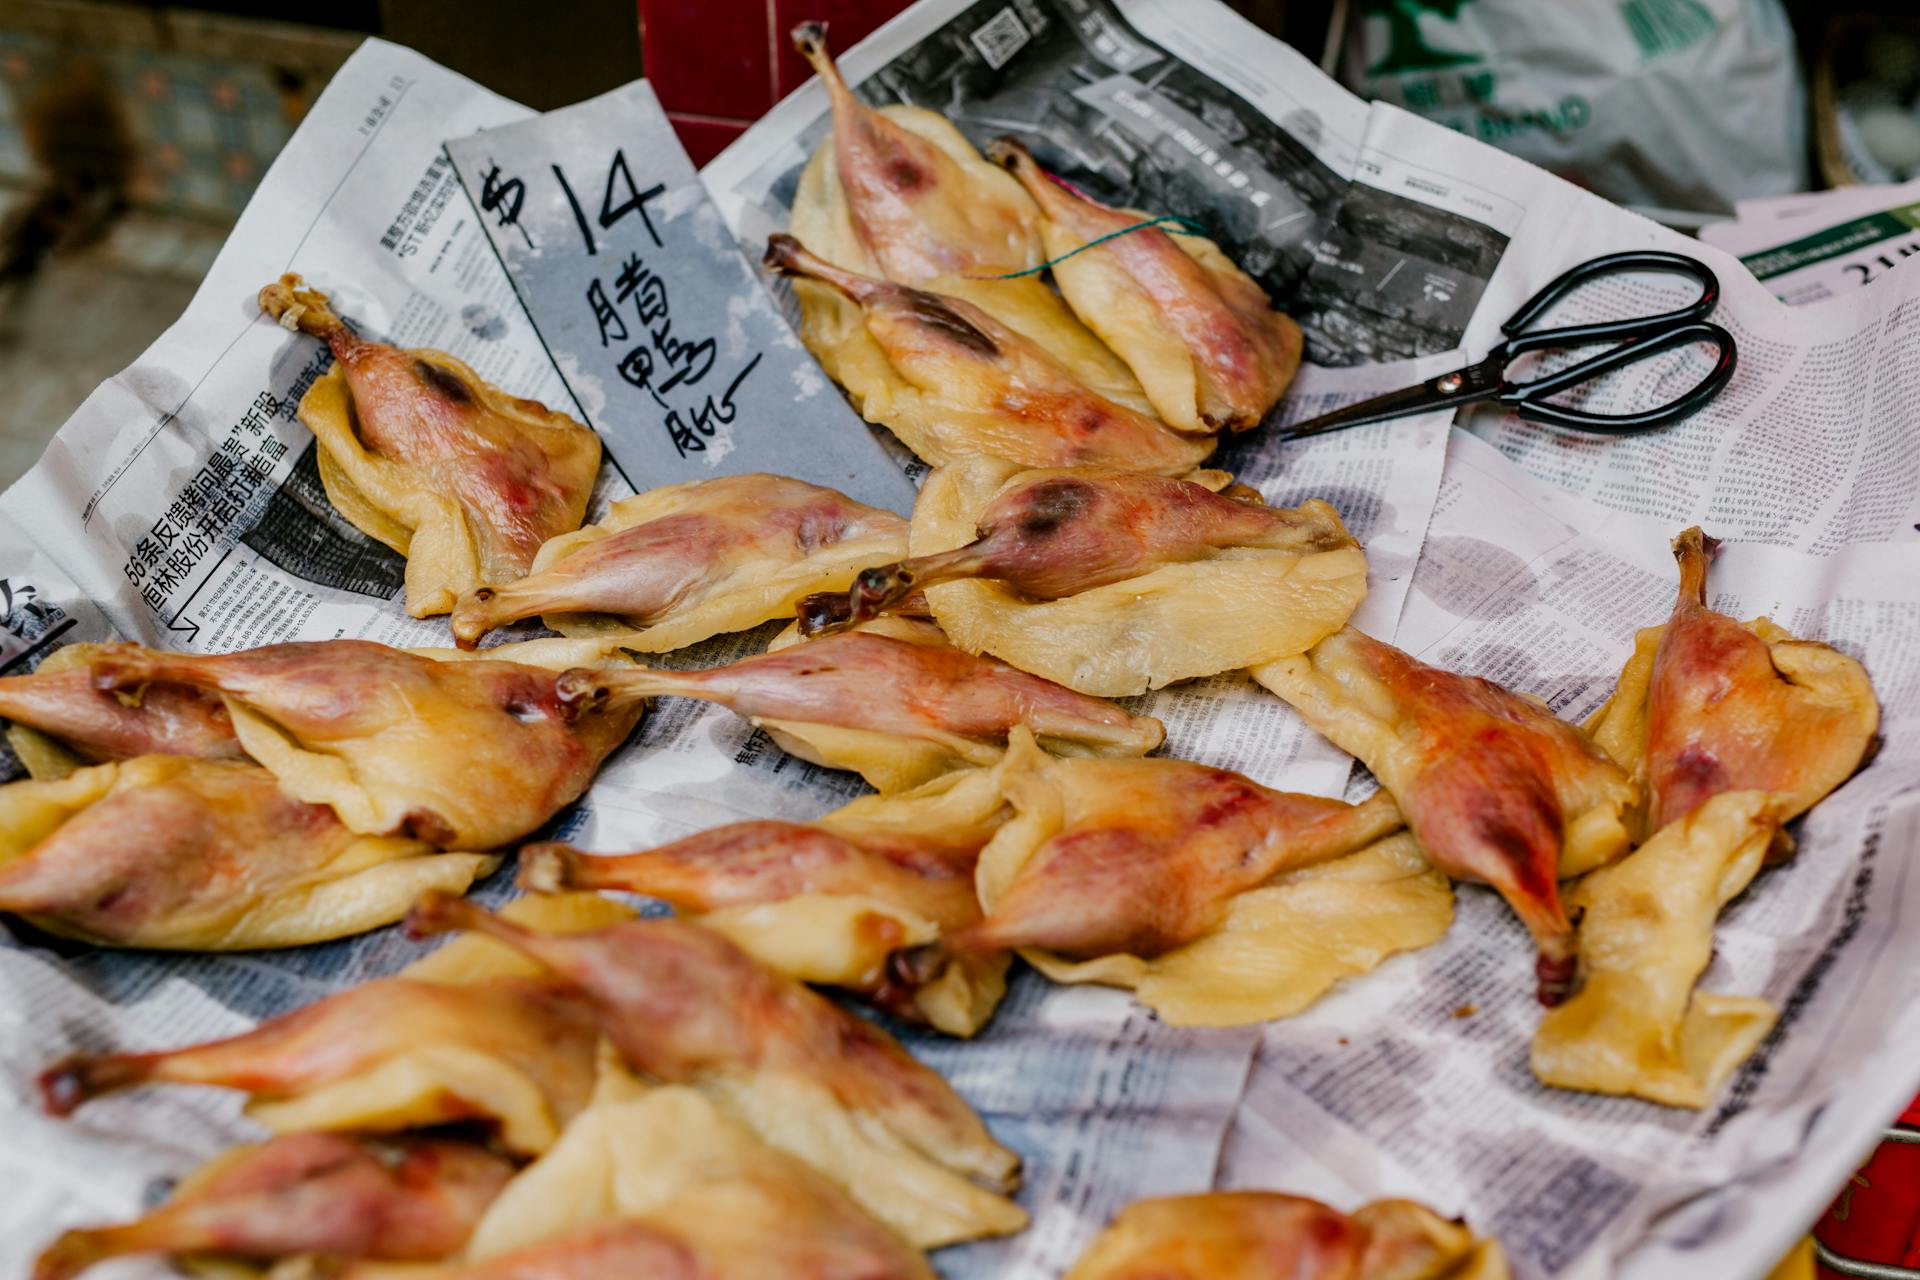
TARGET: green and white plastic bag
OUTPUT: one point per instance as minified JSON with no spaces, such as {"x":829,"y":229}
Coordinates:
{"x":1674,"y":104}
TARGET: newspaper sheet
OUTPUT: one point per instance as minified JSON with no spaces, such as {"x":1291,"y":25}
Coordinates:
{"x":1811,"y":247}
{"x":1397,"y":245}
{"x":1861,"y":198}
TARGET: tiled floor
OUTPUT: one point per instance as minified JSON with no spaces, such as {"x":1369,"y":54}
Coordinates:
{"x":86,"y":317}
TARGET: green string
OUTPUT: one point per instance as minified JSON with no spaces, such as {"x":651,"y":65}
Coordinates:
{"x":1190,"y":228}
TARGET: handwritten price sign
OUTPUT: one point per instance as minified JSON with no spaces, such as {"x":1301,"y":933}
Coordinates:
{"x":673,"y":350}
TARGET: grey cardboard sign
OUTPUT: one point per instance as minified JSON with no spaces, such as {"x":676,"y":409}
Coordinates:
{"x":673,"y":350}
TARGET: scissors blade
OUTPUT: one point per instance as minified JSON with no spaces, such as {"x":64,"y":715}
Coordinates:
{"x":1449,"y":390}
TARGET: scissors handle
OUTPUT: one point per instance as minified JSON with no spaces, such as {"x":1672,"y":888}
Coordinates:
{"x":1519,"y":340}
{"x":1529,"y":399}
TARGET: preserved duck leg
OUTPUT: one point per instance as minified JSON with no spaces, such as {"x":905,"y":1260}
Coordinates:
{"x":1496,"y":788}
{"x":1111,"y":584}
{"x":1051,"y":534}
{"x":1708,"y":704}
{"x":1216,"y":901}
{"x":666,"y":1155}
{"x":978,"y":240}
{"x":452,"y":1051}
{"x":1638,"y":1026}
{"x":642,"y":976}
{"x":472,"y":753}
{"x":824,"y":612}
{"x":666,"y":1169}
{"x":1264,"y":1235}
{"x":402,"y":1200}
{"x":744,"y":863}
{"x":833,"y":900}
{"x":60,"y":701}
{"x":956,"y":382}
{"x":723,"y":1229}
{"x":922,"y":208}
{"x":686,"y":1006}
{"x":419,"y":452}
{"x":690,"y":561}
{"x":185,"y":854}
{"x":958,"y":707}
{"x":1203,"y":339}
{"x":1152,"y":851}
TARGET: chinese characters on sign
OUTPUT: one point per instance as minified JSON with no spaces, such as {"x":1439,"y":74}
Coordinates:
{"x":658,"y":362}
{"x":672,"y":346}
{"x":630,"y":305}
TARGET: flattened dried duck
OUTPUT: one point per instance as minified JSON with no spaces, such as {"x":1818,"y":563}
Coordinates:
{"x":467,"y":753}
{"x":659,"y":1182}
{"x":1112,"y":582}
{"x":684,"y":562}
{"x":1264,"y":1235}
{"x":1495,"y":787}
{"x":61,"y":722}
{"x":1216,"y":900}
{"x":200,"y":855}
{"x":830,"y":901}
{"x":1637,"y":1026}
{"x":1202,"y":337}
{"x":897,"y":711}
{"x":399,"y":1199}
{"x":685,"y":1006}
{"x":385,"y":1056}
{"x":952,"y":381}
{"x":919,"y":199}
{"x":1708,"y":704}
{"x":421,"y":453}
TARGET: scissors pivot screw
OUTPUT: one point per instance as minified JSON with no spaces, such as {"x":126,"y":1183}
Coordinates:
{"x":1449,"y":384}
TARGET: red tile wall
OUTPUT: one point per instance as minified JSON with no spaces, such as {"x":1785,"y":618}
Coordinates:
{"x":719,"y":64}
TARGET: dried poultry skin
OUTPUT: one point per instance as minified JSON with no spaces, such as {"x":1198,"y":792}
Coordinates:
{"x":419,"y":452}
{"x":401,"y":1199}
{"x":1708,"y":704}
{"x":474,"y":958}
{"x":829,"y":901}
{"x":1139,"y":568}
{"x":921,"y":200}
{"x":685,"y":1006}
{"x":956,"y":382}
{"x":183,"y":854}
{"x":719,"y":1230}
{"x":1147,"y":853}
{"x":890,"y":763}
{"x":1201,"y":336}
{"x":1282,"y":946}
{"x":1217,"y":901}
{"x":978,"y":270}
{"x":60,"y":721}
{"x":900,"y":712}
{"x":1637,"y":1026}
{"x":1048,"y":534}
{"x":1262,"y":1235}
{"x":670,"y":1167}
{"x":685,"y":562}
{"x":469,"y":754}
{"x":391,"y":1054}
{"x":922,"y":207}
{"x":1495,"y":787}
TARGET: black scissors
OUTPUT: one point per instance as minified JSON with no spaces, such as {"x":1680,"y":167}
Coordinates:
{"x":1640,"y":338}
